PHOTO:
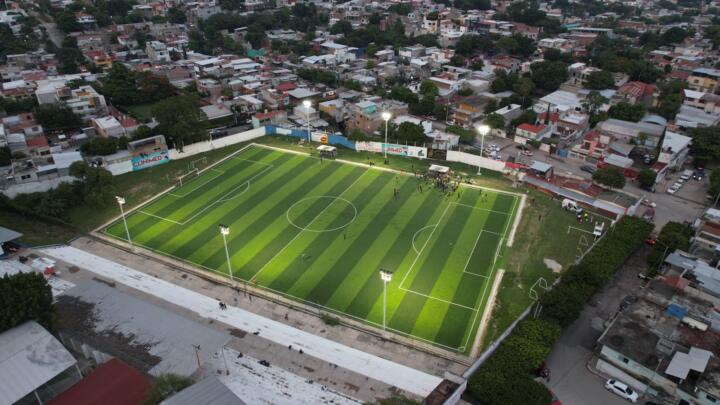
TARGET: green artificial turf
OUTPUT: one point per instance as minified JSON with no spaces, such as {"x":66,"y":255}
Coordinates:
{"x":319,"y":232}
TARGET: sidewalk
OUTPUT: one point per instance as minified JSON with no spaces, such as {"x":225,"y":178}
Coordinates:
{"x":386,"y":371}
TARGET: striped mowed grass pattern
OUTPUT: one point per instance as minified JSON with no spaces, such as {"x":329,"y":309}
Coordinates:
{"x":319,"y":232}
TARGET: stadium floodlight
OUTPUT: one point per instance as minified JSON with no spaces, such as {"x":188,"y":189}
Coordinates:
{"x":386,"y":115}
{"x":386,"y":277}
{"x":307,"y":104}
{"x":121,"y":202}
{"x":225,"y":231}
{"x":482,"y":130}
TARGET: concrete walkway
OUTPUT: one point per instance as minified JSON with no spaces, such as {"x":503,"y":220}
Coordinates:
{"x":403,"y":377}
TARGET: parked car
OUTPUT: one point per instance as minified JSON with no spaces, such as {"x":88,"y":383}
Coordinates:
{"x":673,"y":189}
{"x":622,"y":389}
{"x":522,"y":147}
{"x":588,"y":169}
{"x":698,"y":175}
{"x":527,"y":152}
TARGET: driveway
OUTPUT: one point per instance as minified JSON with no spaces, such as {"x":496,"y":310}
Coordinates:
{"x":570,"y":378}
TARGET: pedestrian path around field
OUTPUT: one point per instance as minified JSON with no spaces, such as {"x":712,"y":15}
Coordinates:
{"x":403,"y":377}
{"x":318,"y":231}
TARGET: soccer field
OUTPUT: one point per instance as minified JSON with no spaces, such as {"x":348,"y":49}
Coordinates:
{"x":319,"y":232}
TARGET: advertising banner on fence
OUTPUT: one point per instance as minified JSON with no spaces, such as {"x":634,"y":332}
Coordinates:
{"x":146,"y":160}
{"x":392,"y":149}
{"x":405,"y":150}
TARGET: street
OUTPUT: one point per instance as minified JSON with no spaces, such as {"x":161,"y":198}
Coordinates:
{"x":570,"y":378}
{"x":685,"y":205}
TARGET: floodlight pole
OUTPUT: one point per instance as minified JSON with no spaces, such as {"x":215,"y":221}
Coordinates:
{"x":121,"y":202}
{"x":386,"y":276}
{"x":482,"y":130}
{"x":386,"y":115}
{"x":224,"y":231}
{"x":307,"y":104}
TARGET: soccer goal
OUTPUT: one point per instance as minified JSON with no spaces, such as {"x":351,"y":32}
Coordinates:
{"x":197,"y":163}
{"x":194,"y":173}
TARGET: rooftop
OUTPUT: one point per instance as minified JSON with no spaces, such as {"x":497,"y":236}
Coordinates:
{"x":29,"y":357}
{"x":113,"y":383}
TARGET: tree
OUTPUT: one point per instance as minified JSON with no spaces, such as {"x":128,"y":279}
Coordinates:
{"x":523,"y":87}
{"x":599,"y":80}
{"x":526,"y":117}
{"x":341,"y":27}
{"x":477,"y":64}
{"x":99,"y":146}
{"x":627,"y":112}
{"x":176,"y":16}
{"x":410,"y":133}
{"x":429,"y":89}
{"x":646,"y":177}
{"x":164,"y":386}
{"x":457,"y":60}
{"x":56,"y":117}
{"x":593,"y":101}
{"x":672,"y":236}
{"x":403,"y":94}
{"x":5,"y":156}
{"x":96,"y":184}
{"x":181,"y":120}
{"x":548,"y":76}
{"x":25,"y":297}
{"x":714,"y":188}
{"x":705,"y":146}
{"x":495,"y":121}
{"x":610,"y":176}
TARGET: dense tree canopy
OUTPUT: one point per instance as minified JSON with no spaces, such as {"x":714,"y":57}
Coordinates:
{"x":181,"y":120}
{"x":548,"y":75}
{"x":57,"y":117}
{"x":25,"y":297}
{"x":627,"y":112}
{"x":610,"y":176}
{"x":600,"y":80}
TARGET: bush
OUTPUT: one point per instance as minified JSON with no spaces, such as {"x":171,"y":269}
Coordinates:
{"x":165,"y":386}
{"x":646,"y":177}
{"x":330,"y":320}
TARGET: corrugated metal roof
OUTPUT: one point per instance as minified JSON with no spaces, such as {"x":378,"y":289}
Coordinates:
{"x":209,"y":391}
{"x":113,"y":383}
{"x":7,"y":235}
{"x":29,"y":357}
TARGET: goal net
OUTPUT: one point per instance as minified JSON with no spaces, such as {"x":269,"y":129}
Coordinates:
{"x":185,"y":178}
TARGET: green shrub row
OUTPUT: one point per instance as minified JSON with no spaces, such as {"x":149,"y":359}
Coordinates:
{"x":505,"y":377}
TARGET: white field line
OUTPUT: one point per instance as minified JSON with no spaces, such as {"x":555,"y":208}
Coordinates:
{"x":221,"y":199}
{"x":471,"y":255}
{"x":439,"y":299}
{"x":308,"y":225}
{"x":481,"y":209}
{"x":158,"y":217}
{"x":578,"y":229}
{"x":516,"y":222}
{"x":198,"y":187}
{"x":423,"y":246}
{"x":381,"y":168}
{"x":482,"y":296}
{"x":302,"y":300}
{"x":417,"y":232}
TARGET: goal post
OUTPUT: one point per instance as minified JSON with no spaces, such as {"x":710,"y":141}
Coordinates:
{"x":187,"y":177}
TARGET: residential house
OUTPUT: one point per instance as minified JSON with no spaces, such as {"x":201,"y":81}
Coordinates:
{"x":593,"y":146}
{"x":277,"y":117}
{"x":708,"y":102}
{"x":690,"y":117}
{"x":704,"y":79}
{"x":466,"y":112}
{"x":638,"y":133}
{"x":506,"y":63}
{"x":665,"y":343}
{"x":638,"y":92}
{"x":707,"y":232}
{"x":108,"y":127}
{"x":572,"y":125}
{"x":157,"y":52}
{"x":532,"y":132}
{"x":674,"y":150}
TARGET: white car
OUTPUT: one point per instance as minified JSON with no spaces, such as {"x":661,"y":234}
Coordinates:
{"x":622,"y":389}
{"x":673,"y":189}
